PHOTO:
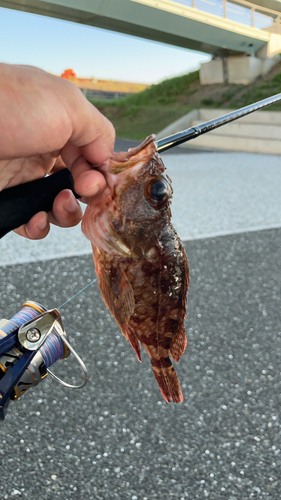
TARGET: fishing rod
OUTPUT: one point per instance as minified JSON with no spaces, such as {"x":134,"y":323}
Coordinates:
{"x":18,"y":204}
{"x":34,"y":338}
{"x":191,"y":133}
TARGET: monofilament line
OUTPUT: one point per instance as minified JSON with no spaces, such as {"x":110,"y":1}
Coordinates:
{"x":77,"y":293}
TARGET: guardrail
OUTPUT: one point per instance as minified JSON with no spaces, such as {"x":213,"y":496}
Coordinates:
{"x":241,"y":11}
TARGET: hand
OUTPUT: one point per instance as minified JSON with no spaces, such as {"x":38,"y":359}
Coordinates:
{"x":46,"y":124}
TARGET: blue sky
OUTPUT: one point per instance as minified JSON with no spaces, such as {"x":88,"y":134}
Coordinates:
{"x":55,"y":45}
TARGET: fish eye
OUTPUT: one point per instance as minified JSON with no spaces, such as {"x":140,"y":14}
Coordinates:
{"x":157,"y":192}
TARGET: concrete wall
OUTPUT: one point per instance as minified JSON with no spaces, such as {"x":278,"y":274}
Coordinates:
{"x":243,"y":70}
{"x":181,"y":124}
{"x":240,"y":70}
{"x":268,"y":59}
{"x":258,"y":117}
{"x":255,"y":132}
{"x":212,"y":72}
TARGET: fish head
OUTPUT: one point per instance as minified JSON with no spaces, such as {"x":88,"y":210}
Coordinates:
{"x":131,"y":214}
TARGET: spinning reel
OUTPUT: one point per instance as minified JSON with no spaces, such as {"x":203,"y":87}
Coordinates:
{"x":30,"y":342}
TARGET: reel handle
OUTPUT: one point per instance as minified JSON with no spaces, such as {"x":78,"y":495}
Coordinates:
{"x":18,"y":204}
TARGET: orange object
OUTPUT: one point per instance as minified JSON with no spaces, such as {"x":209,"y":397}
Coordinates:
{"x":68,"y":74}
{"x":103,"y":85}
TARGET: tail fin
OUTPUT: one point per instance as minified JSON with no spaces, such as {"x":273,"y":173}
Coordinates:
{"x":167,"y":379}
{"x":179,"y":344}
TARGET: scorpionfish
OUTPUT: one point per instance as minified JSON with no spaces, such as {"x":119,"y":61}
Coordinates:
{"x":140,"y":260}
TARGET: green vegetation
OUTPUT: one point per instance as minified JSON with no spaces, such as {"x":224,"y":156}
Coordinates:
{"x":137,"y":122}
{"x":140,"y":115}
{"x":148,"y":112}
{"x":208,"y":101}
{"x":260,"y":90}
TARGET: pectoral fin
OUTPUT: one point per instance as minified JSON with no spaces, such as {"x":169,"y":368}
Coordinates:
{"x":118,"y":295}
{"x":135,"y":343}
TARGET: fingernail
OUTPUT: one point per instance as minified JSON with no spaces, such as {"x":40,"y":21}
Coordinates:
{"x":42,"y":224}
{"x":71,"y":205}
{"x":93,"y":190}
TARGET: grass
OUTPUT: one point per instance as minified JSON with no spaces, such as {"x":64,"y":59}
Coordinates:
{"x":163,"y":94}
{"x":140,"y":115}
{"x":137,"y":122}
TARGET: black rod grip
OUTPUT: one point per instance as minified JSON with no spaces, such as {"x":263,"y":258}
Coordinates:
{"x":18,"y":204}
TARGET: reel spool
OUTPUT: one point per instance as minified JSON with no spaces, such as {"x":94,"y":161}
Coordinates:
{"x":36,"y":334}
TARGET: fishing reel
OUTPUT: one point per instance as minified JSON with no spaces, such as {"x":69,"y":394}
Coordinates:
{"x":30,"y":342}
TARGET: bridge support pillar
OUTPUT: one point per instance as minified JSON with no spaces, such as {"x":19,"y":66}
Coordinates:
{"x":240,"y":70}
{"x":212,"y":72}
{"x":243,"y":70}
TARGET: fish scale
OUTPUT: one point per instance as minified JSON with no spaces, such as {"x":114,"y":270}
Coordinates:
{"x":140,"y":260}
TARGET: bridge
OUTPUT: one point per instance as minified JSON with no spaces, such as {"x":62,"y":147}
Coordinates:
{"x":243,"y":38}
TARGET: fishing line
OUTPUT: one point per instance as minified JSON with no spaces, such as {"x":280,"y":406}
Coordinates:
{"x":226,"y":179}
{"x":191,"y":206}
{"x":77,"y":294}
{"x":53,"y":347}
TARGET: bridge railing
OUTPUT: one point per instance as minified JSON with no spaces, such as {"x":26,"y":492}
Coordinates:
{"x":241,"y":11}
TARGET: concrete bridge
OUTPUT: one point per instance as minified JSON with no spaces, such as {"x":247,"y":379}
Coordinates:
{"x":242,"y":37}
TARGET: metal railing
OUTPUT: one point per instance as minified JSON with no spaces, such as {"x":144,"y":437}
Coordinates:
{"x":99,"y":95}
{"x":241,"y":11}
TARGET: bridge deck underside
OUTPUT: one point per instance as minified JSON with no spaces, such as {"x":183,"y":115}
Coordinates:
{"x":203,"y":32}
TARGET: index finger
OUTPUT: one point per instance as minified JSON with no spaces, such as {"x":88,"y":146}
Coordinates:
{"x":87,"y":181}
{"x":92,"y":132}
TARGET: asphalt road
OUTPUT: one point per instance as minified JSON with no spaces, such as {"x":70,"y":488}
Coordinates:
{"x":117,"y":438}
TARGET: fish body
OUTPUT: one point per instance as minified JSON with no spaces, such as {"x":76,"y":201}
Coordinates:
{"x":140,"y":260}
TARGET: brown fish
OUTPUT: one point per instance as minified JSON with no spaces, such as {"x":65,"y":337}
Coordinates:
{"x":140,"y":261}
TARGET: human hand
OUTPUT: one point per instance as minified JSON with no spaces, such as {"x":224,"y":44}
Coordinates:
{"x":46,"y":124}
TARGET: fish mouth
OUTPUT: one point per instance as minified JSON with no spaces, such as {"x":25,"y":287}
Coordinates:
{"x":121,"y":162}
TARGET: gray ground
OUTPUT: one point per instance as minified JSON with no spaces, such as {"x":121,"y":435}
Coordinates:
{"x":118,"y":438}
{"x":214,"y":194}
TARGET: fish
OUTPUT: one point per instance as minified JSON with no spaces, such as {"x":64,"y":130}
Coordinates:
{"x":140,"y":261}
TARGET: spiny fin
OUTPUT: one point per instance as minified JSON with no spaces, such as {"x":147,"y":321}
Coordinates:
{"x":135,"y":343}
{"x":168,"y":381}
{"x":118,"y":295}
{"x":179,"y":344}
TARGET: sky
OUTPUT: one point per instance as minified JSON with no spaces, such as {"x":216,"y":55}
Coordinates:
{"x":55,"y":45}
